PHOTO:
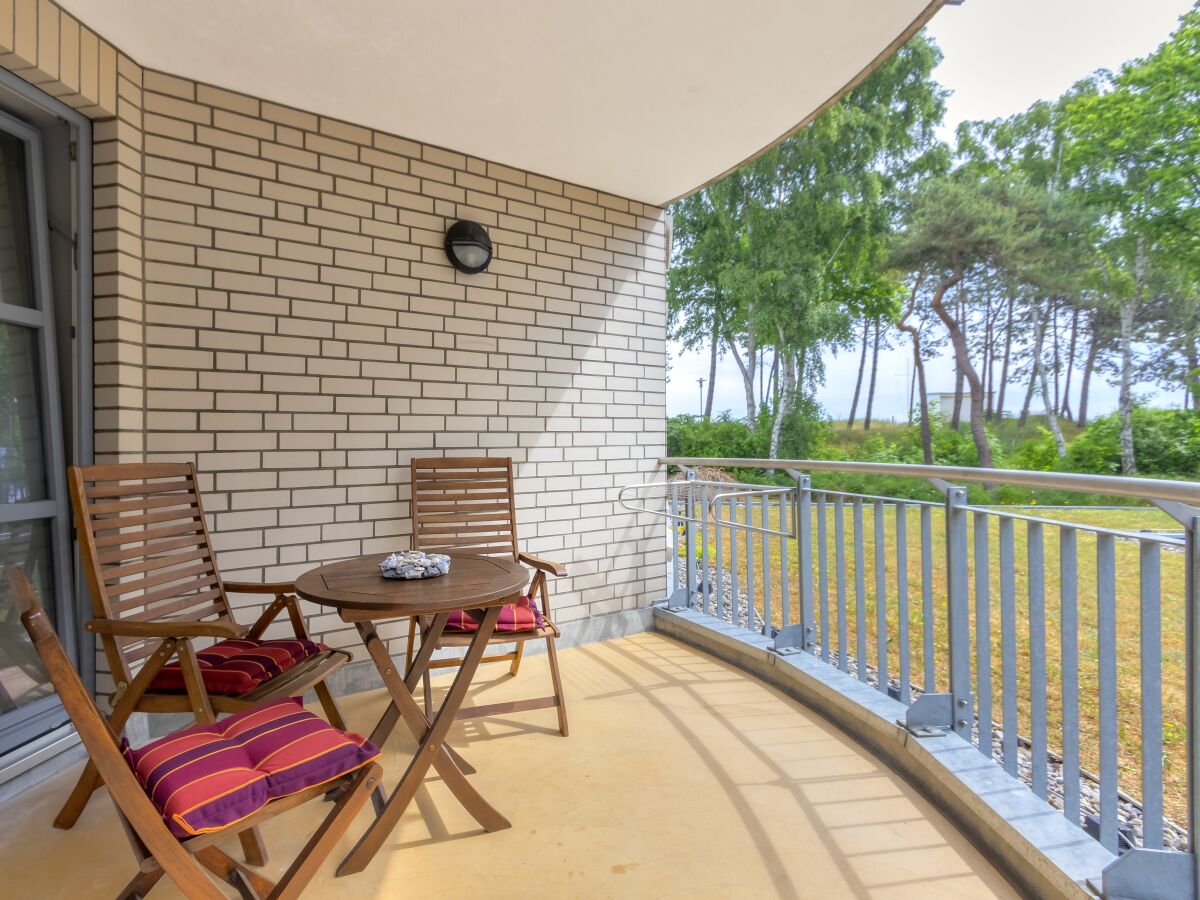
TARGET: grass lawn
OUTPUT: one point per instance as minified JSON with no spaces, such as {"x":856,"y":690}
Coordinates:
{"x":1128,"y":660}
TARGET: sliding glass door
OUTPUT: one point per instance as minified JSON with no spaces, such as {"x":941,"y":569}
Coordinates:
{"x":33,"y":507}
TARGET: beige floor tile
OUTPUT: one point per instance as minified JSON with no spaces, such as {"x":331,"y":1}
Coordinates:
{"x":681,"y":777}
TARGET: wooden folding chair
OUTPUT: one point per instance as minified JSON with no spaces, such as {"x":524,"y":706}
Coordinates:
{"x":158,"y":851}
{"x":466,"y":505}
{"x":155,"y":588}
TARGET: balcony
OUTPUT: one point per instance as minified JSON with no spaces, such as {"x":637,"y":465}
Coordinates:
{"x":682,"y":775}
{"x":1034,"y":670}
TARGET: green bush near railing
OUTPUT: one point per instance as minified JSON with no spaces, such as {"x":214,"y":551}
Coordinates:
{"x":1166,"y":444}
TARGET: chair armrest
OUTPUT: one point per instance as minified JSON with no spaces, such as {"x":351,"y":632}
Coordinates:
{"x":150,"y":628}
{"x":542,"y":565}
{"x":250,"y":587}
{"x":283,"y":601}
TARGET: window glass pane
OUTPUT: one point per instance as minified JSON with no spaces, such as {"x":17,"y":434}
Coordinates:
{"x":15,"y":283}
{"x":22,"y":678}
{"x":22,"y":459}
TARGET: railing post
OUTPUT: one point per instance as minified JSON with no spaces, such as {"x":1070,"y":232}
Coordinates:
{"x":957,"y":608}
{"x":1192,"y":582}
{"x":690,"y":539}
{"x":799,"y":635}
{"x":802,"y":528}
{"x":1192,"y":570}
{"x":678,"y":597}
{"x":953,"y":710}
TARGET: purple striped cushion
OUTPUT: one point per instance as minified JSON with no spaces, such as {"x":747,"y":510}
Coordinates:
{"x":239,"y":665}
{"x":523,"y":615}
{"x":207,"y":777}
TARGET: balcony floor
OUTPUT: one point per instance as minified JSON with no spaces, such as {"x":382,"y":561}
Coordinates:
{"x":682,"y":776}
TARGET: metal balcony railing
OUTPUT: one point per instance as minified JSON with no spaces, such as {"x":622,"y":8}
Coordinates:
{"x":1066,"y":651}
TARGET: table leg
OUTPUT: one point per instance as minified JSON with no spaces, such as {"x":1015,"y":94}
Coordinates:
{"x":431,"y":737}
{"x":391,"y":715}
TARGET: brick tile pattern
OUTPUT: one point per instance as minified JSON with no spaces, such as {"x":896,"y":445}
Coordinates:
{"x":273,"y":303}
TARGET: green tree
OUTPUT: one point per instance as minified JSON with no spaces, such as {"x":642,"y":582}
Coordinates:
{"x":1137,"y":146}
{"x":782,"y":256}
{"x":959,"y":224}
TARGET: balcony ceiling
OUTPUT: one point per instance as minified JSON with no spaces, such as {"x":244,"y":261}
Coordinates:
{"x":647,"y":100}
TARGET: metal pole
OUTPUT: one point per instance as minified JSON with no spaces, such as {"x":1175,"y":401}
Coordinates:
{"x":958,"y":614}
{"x":1193,"y":694}
{"x":690,"y":541}
{"x":802,"y":528}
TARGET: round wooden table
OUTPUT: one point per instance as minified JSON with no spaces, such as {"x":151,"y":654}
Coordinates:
{"x":357,"y":591}
{"x":361,"y":595}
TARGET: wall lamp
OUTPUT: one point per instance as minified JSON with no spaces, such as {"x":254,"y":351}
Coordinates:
{"x":468,"y":247}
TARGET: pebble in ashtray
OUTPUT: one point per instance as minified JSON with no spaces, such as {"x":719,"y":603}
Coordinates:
{"x":410,"y":564}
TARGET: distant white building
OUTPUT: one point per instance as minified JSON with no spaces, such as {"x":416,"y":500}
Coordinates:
{"x":945,"y":403}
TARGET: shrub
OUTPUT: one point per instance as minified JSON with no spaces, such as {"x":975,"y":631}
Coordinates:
{"x":1166,"y":443}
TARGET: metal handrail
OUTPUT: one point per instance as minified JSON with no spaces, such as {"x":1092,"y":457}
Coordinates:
{"x":1114,"y":485}
{"x":680,"y":493}
{"x":688,"y":501}
{"x":746,"y":526}
{"x":1158,"y":537}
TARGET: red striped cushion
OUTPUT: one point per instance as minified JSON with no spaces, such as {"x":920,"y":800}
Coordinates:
{"x":523,"y":615}
{"x":207,"y":777}
{"x":238,"y":665}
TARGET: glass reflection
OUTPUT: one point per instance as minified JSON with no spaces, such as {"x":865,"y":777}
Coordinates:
{"x":22,"y":463}
{"x":15,"y":282}
{"x":22,"y":677}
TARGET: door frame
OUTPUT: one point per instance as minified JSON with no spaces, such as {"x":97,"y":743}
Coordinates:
{"x":46,"y":714}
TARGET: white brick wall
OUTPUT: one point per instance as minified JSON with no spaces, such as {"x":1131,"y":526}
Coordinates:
{"x":305,"y":337}
{"x":273,"y":303}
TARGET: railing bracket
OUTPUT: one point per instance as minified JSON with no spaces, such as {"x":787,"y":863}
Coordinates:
{"x":931,"y":714}
{"x":1141,"y":874}
{"x":1180,"y":512}
{"x":678,"y":601}
{"x":922,"y":731}
{"x":789,"y":639}
{"x":941,"y":484}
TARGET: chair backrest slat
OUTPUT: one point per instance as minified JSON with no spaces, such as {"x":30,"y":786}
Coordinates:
{"x":132,"y":535}
{"x":464,"y":505}
{"x":128,"y":570}
{"x":146,"y":549}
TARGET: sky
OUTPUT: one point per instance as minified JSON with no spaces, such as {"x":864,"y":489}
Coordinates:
{"x":999,"y":57}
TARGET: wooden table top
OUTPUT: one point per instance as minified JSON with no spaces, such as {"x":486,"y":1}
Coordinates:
{"x":356,"y":589}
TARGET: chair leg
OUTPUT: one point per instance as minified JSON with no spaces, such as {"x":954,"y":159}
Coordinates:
{"x":89,"y":781}
{"x":325,"y":838}
{"x":427,"y":689}
{"x":332,"y":713}
{"x":253,"y":847}
{"x":556,"y":678}
{"x":232,"y":872}
{"x":517,"y":654}
{"x":141,"y":885}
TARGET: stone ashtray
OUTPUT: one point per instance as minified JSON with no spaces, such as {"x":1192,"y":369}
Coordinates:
{"x":410,"y":564}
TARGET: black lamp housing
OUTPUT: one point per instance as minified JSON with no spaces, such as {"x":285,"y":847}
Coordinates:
{"x":468,"y":247}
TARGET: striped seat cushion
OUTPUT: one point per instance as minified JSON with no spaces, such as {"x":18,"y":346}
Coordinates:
{"x":523,"y":615}
{"x":239,"y":665}
{"x":207,"y":777}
